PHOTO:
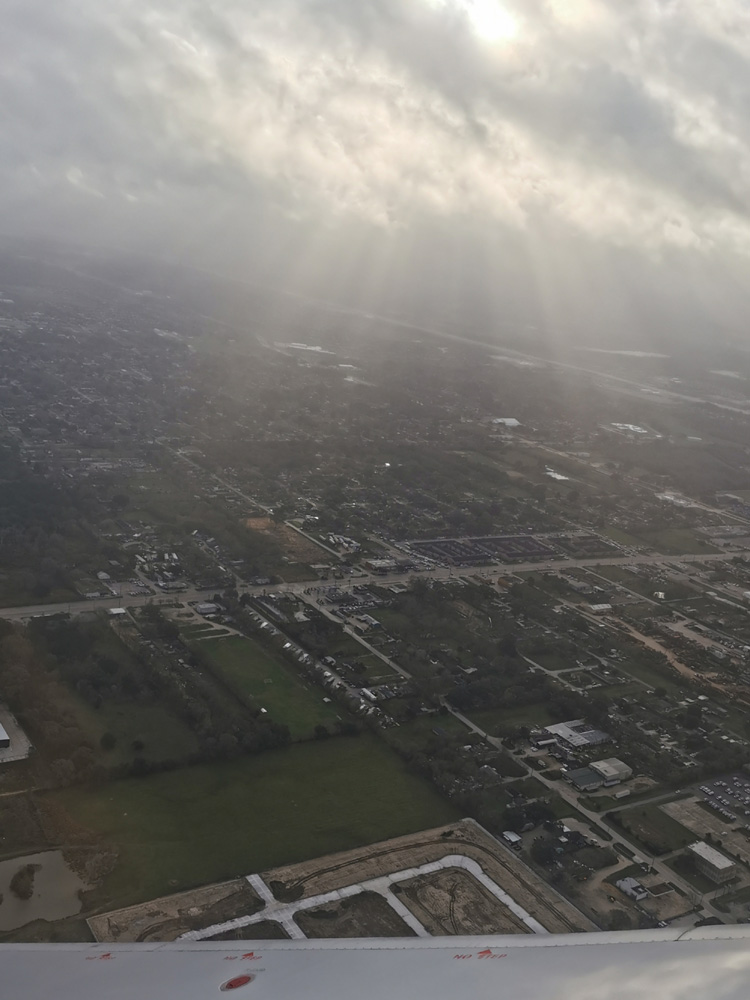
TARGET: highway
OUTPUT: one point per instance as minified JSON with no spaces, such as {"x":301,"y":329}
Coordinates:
{"x":437,"y":573}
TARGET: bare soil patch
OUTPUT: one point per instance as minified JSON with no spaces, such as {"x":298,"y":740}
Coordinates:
{"x":296,"y":547}
{"x":361,"y":916}
{"x":167,"y":918}
{"x":451,"y":901}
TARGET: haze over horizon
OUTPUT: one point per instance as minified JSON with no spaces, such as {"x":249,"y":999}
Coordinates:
{"x":573,"y":166}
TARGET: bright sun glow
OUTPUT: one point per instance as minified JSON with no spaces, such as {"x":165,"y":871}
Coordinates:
{"x":491,"y":20}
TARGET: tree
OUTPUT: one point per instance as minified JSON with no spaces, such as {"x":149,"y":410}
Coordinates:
{"x":543,"y":851}
{"x":321,"y":733}
{"x":108,"y":741}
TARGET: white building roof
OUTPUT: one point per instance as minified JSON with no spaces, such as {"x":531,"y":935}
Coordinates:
{"x":710,"y":854}
{"x":612,"y":767}
{"x":577,"y":732}
{"x":3,"y":734}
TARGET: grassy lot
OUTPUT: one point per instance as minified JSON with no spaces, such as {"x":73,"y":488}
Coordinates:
{"x":553,"y":659}
{"x":685,"y":866}
{"x":611,"y":691}
{"x":523,"y":715}
{"x":677,"y":541}
{"x":637,"y":667}
{"x":297,"y":572}
{"x":618,"y":574}
{"x":642,"y":585}
{"x":206,"y":823}
{"x":343,"y":646}
{"x":740,"y":896}
{"x":621,"y":537}
{"x":654,"y":829}
{"x":418,"y":733}
{"x":197,"y":630}
{"x":259,"y":675}
{"x":164,"y":737}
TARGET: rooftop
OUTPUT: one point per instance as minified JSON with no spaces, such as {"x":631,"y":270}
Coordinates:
{"x":710,"y":854}
{"x":577,"y":733}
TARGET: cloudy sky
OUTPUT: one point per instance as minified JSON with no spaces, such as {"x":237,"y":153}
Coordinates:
{"x":550,"y":161}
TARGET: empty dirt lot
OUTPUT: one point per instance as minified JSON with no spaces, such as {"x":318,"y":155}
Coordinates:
{"x":365,"y":915}
{"x":264,"y":930}
{"x":166,"y":918}
{"x":294,"y":545}
{"x":453,"y":902}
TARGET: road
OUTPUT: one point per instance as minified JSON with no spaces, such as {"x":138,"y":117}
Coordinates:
{"x":437,"y":573}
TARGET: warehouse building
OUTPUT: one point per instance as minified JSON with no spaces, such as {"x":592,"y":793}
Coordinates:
{"x":585,"y":779}
{"x":577,"y":733}
{"x":712,"y":863}
{"x":612,"y":771}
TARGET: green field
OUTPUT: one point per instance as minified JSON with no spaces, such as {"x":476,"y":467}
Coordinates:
{"x":269,"y":682}
{"x":207,"y":823}
{"x":418,"y":735}
{"x":532,"y":716}
{"x":643,"y":670}
{"x":657,"y":832}
{"x":677,"y":541}
{"x":164,"y":736}
{"x":644,"y":586}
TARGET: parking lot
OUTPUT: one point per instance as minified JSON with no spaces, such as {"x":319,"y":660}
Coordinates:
{"x":729,"y":797}
{"x":479,"y":551}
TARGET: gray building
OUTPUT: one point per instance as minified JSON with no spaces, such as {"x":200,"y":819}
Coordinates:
{"x":712,"y":863}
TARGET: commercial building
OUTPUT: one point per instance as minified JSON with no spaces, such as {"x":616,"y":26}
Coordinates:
{"x":577,"y":733}
{"x":381,"y":566}
{"x":585,"y":779}
{"x":612,"y":770}
{"x":207,"y":608}
{"x":633,"y":888}
{"x":712,"y":863}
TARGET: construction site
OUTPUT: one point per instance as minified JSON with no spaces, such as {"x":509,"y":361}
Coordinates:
{"x":456,"y":879}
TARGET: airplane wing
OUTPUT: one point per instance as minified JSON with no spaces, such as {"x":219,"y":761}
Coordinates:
{"x":669,"y":964}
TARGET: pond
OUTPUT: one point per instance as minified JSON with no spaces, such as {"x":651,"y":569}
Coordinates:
{"x":54,"y":895}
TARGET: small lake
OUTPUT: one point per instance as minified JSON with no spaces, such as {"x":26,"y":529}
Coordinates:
{"x":55,"y":890}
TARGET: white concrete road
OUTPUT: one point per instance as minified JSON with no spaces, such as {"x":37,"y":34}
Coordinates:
{"x":283,"y":913}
